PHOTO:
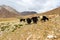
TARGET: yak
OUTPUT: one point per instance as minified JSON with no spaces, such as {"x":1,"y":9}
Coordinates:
{"x":34,"y":19}
{"x":22,"y":20}
{"x":28,"y":20}
{"x":44,"y":18}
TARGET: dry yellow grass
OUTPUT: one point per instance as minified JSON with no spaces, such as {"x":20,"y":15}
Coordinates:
{"x":8,"y":19}
{"x":49,"y":30}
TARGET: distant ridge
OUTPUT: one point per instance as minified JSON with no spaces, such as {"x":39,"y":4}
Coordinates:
{"x":28,"y":12}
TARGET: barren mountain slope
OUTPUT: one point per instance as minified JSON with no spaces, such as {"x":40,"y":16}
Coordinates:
{"x":8,"y":12}
{"x":54,"y":11}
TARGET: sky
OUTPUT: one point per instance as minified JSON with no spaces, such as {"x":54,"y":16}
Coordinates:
{"x":32,"y":5}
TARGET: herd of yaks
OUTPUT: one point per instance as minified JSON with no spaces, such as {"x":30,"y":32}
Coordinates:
{"x":34,"y":19}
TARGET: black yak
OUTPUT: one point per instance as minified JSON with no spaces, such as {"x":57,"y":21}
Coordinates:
{"x":44,"y":18}
{"x":22,"y":20}
{"x":34,"y":19}
{"x":28,"y":20}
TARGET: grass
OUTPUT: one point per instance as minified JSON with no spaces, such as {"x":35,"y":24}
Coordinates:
{"x":38,"y":31}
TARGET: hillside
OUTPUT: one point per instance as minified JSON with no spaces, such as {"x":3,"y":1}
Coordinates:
{"x":52,"y":12}
{"x":16,"y":30}
{"x":8,"y":12}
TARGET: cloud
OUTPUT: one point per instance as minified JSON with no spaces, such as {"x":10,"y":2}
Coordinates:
{"x":32,"y":5}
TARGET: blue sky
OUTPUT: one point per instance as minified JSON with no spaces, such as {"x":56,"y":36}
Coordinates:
{"x":32,"y":5}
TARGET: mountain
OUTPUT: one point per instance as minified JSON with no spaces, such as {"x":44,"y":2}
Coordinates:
{"x":28,"y":12}
{"x":52,"y":12}
{"x":8,"y":12}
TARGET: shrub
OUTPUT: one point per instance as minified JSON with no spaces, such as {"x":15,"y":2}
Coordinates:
{"x":15,"y":28}
{"x":16,"y":25}
{"x":4,"y":27}
{"x":20,"y":24}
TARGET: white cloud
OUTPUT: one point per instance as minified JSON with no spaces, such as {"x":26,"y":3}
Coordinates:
{"x":29,"y":5}
{"x":49,"y":5}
